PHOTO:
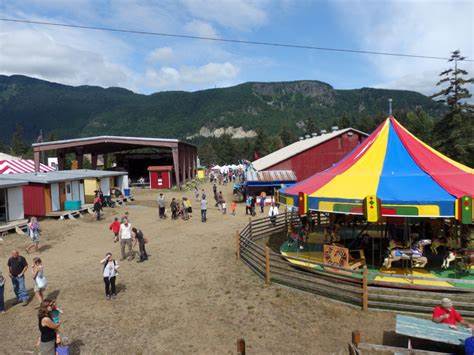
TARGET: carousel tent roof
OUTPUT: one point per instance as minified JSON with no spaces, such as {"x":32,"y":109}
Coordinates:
{"x":18,"y":166}
{"x":408,"y":176}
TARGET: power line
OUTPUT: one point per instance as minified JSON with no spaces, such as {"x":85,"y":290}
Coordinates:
{"x":227,"y":40}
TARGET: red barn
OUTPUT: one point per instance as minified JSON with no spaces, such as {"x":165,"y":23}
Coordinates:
{"x":312,"y":155}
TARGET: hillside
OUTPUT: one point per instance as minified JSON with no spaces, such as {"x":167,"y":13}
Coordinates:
{"x":239,"y":110}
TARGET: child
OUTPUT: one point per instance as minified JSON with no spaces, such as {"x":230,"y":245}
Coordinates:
{"x":233,"y":207}
{"x":34,"y":233}
{"x":224,"y":207}
{"x":115,"y":228}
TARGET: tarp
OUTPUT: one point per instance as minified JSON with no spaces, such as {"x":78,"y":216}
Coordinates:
{"x":409,"y":177}
{"x":18,"y":166}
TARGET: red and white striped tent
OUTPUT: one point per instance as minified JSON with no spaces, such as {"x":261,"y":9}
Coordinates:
{"x":16,"y":166}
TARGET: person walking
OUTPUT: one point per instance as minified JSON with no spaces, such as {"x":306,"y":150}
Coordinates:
{"x":253,"y":201}
{"x":262,"y":202}
{"x":184,"y":208}
{"x":40,"y":281}
{"x":203,"y":194}
{"x":248,"y":205}
{"x":17,"y":267}
{"x":196,"y":193}
{"x":273,"y":213}
{"x":2,"y":293}
{"x":33,"y":228}
{"x":48,"y":328}
{"x":174,"y":208}
{"x":233,"y":207}
{"x":126,"y":239}
{"x":203,"y":210}
{"x":109,"y":273}
{"x":115,"y":228}
{"x":161,"y":206}
{"x":97,"y":206}
{"x":140,"y":239}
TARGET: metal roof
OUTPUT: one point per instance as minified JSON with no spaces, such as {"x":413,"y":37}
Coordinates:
{"x":105,"y":138}
{"x":270,"y":176}
{"x":63,"y":175}
{"x":298,"y":147}
{"x":5,"y":183}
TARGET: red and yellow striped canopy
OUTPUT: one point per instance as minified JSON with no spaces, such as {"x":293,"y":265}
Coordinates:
{"x":406,"y":175}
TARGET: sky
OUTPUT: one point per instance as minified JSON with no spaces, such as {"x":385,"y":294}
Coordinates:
{"x":148,"y":64}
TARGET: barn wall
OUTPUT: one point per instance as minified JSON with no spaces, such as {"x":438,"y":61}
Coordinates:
{"x":33,"y":200}
{"x":321,"y":157}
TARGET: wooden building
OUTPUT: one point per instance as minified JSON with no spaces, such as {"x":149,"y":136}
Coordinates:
{"x":44,"y":193}
{"x":160,"y":177}
{"x":11,"y":201}
{"x":309,"y":156}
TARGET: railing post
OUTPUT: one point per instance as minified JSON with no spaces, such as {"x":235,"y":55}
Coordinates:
{"x":241,"y":346}
{"x":267,"y":265}
{"x":365,"y":290}
{"x":237,"y":245}
{"x":286,"y":218}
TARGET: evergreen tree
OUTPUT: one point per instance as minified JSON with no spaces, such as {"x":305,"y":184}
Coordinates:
{"x":310,"y":126}
{"x":262,"y":144}
{"x":18,"y":145}
{"x":344,"y":121}
{"x":287,"y":136}
{"x":453,"y":134}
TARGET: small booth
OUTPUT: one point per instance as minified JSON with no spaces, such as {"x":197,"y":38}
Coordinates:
{"x":11,"y":201}
{"x":160,"y":176}
{"x":201,"y":172}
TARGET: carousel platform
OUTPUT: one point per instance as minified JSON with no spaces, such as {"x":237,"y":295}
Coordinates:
{"x":311,"y":257}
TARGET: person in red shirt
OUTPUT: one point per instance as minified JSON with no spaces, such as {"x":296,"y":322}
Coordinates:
{"x":115,"y":228}
{"x":445,"y":313}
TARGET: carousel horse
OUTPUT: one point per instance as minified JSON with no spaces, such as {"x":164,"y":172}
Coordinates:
{"x":415,"y":253}
{"x":465,"y":256}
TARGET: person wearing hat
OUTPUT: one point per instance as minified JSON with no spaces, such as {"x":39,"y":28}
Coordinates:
{"x":445,"y":313}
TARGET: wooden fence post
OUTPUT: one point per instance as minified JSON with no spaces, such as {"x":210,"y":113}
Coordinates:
{"x":237,"y":245}
{"x":267,"y":265}
{"x":365,"y":291}
{"x":241,"y":346}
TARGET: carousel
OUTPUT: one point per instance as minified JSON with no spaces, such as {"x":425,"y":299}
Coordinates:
{"x":394,"y":205}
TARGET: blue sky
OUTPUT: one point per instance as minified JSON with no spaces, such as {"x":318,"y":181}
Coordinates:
{"x":147,"y":64}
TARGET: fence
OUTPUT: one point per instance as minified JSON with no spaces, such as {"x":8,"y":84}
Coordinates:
{"x":349,"y":286}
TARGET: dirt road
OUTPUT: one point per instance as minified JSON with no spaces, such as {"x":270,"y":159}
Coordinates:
{"x":192,"y":296}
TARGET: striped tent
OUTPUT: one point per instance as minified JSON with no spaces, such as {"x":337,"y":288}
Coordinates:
{"x":400,"y":173}
{"x":16,"y":166}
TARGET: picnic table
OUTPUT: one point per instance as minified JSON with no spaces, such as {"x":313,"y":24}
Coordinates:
{"x":429,"y":330}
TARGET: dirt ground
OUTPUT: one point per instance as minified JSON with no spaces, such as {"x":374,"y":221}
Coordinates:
{"x":192,"y":296}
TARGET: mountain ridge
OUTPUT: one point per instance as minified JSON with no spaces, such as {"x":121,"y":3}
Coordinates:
{"x":77,"y":111}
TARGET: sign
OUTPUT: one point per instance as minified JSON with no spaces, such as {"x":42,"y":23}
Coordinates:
{"x":336,"y":256}
{"x":464,"y":205}
{"x":372,"y":208}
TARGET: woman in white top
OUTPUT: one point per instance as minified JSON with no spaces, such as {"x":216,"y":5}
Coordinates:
{"x":40,"y":282}
{"x":272,"y":213}
{"x":109,"y":273}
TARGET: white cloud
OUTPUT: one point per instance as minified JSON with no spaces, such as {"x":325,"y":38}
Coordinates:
{"x":161,"y":55}
{"x":200,"y":28}
{"x":432,"y":28}
{"x":41,"y":55}
{"x":242,"y":15}
{"x":214,"y":74}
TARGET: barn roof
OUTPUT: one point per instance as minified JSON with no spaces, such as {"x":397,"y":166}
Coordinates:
{"x":16,"y":166}
{"x":270,"y":177}
{"x":64,"y":175}
{"x":298,"y":147}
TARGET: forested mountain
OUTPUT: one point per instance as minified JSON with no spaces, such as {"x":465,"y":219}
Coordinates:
{"x":279,"y":111}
